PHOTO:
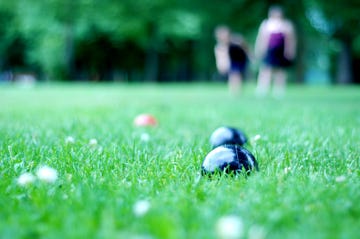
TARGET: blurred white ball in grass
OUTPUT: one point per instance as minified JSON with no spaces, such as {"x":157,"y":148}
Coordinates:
{"x":100,"y":150}
{"x":141,"y":207}
{"x":230,"y":227}
{"x":287,"y":170}
{"x":256,"y":232}
{"x":69,"y":140}
{"x":47,"y":174}
{"x":340,"y":179}
{"x":25,"y":179}
{"x":256,"y":137}
{"x":93,"y":142}
{"x":145,"y":137}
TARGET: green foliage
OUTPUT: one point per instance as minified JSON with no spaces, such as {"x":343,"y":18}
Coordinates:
{"x":342,"y":17}
{"x":308,"y":184}
{"x":50,"y":33}
{"x":338,"y":19}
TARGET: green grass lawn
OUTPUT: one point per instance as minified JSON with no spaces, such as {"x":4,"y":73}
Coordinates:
{"x":308,"y":185}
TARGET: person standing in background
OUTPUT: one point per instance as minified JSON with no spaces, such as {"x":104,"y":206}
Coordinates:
{"x":231,"y":55}
{"x":238,"y":53}
{"x":221,"y":50}
{"x":276,"y":46}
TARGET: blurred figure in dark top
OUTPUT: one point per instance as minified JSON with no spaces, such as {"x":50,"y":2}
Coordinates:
{"x":238,"y":54}
{"x":221,"y":50}
{"x":231,"y":57}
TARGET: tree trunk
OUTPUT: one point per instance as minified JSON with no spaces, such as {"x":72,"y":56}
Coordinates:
{"x":300,"y":58}
{"x":344,"y":69}
{"x":152,"y":56}
{"x":152,"y":65}
{"x":69,"y":52}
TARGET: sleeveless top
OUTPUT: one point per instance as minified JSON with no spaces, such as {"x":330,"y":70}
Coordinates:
{"x":275,"y":55}
{"x":275,"y":49}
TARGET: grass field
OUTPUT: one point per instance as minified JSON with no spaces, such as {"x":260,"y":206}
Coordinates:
{"x":118,"y":181}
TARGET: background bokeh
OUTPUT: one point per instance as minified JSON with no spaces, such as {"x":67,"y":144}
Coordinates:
{"x":166,"y":40}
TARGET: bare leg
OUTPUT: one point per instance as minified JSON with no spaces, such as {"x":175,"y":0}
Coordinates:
{"x":235,"y":83}
{"x":264,"y":80}
{"x":279,"y":83}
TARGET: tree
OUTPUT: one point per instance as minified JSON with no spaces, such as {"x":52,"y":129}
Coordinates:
{"x":155,"y":39}
{"x":340,"y":21}
{"x":7,"y":35}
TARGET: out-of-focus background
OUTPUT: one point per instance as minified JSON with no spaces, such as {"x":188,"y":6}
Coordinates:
{"x":166,"y":40}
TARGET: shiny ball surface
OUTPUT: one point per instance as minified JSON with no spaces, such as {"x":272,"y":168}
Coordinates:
{"x":227,"y":135}
{"x":229,"y":159}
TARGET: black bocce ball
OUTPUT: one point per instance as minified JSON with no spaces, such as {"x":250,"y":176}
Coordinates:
{"x":227,"y":159}
{"x":227,"y":135}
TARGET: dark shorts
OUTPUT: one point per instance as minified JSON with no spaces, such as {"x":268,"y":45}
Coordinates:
{"x":275,"y":54}
{"x":238,"y":58}
{"x":238,"y":67}
{"x":276,"y":58}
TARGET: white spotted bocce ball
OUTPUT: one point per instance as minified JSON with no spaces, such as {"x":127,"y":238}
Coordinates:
{"x":228,"y":159}
{"x":227,"y":135}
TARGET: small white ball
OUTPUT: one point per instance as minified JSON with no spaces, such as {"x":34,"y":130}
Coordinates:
{"x":47,"y":174}
{"x":230,"y":227}
{"x":25,"y":179}
{"x":145,"y":137}
{"x":340,"y":179}
{"x":141,"y":207}
{"x":93,"y":142}
{"x":256,"y":137}
{"x":69,"y":140}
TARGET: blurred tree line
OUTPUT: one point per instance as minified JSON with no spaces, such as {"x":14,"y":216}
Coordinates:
{"x":164,"y":40}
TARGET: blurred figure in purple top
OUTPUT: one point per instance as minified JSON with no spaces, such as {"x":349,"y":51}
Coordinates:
{"x":276,"y":46}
